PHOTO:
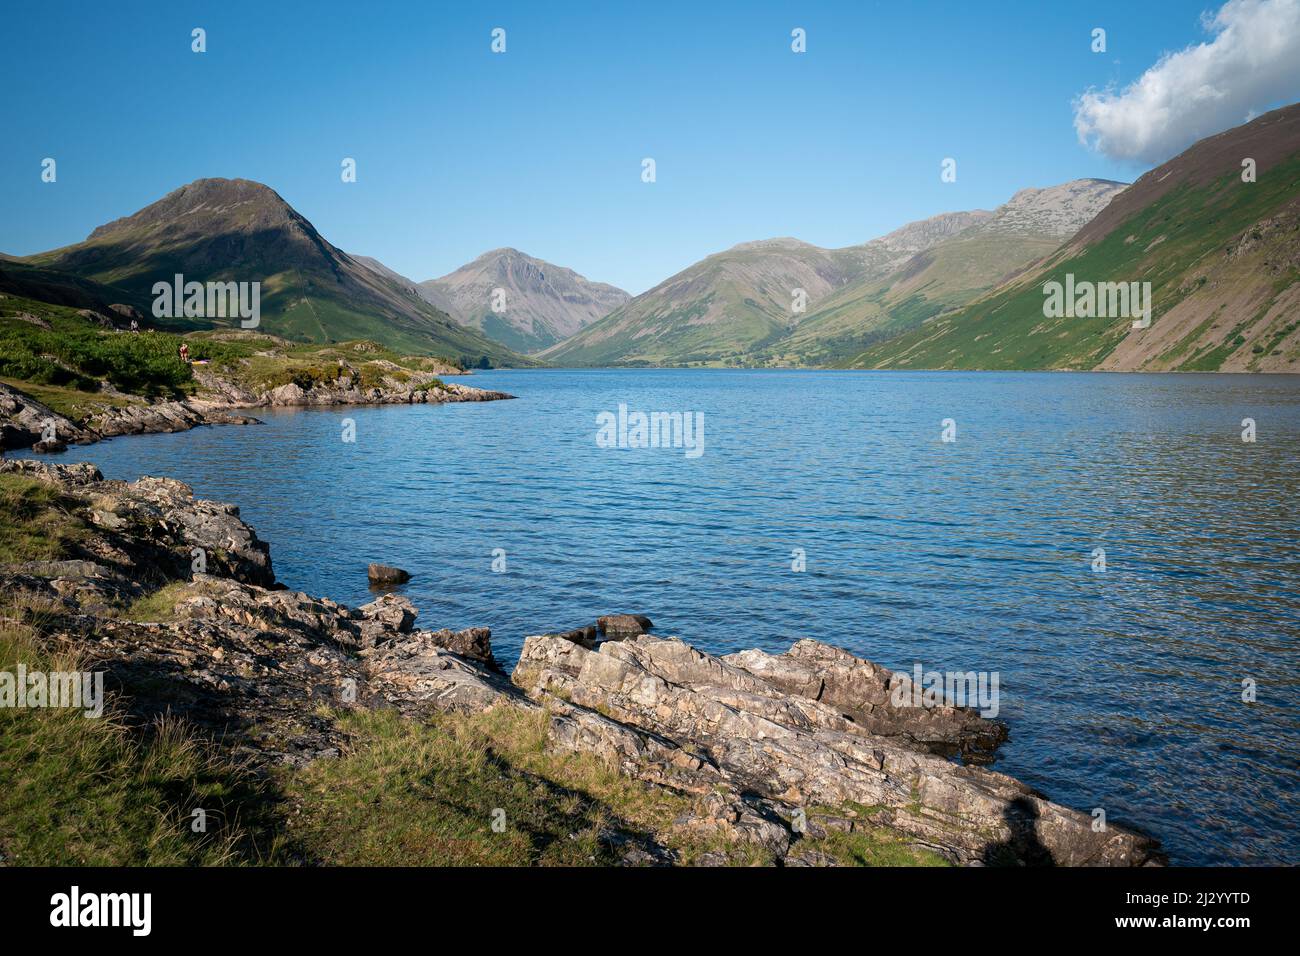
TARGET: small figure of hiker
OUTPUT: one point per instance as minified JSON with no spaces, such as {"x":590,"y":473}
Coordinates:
{"x":135,"y":326}
{"x":185,"y":353}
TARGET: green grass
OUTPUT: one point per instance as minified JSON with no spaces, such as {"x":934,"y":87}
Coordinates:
{"x":89,"y":792}
{"x":460,"y":790}
{"x":37,"y":522}
{"x":876,"y":846}
{"x":264,"y":362}
{"x":428,"y":795}
{"x":71,"y":403}
{"x":425,"y":794}
{"x":158,"y":606}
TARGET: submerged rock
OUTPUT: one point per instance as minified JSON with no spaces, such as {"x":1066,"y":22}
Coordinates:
{"x":615,"y":627}
{"x":386,"y":574}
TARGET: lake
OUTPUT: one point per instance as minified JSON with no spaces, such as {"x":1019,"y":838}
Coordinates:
{"x":1123,"y":688}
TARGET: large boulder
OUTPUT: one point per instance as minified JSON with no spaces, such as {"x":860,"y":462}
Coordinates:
{"x":784,"y":745}
{"x":862,"y":691}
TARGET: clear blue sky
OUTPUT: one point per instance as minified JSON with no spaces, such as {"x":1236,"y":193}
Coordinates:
{"x":460,"y":150}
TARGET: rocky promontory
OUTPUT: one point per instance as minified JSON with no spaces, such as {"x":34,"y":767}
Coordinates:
{"x":383,"y":383}
{"x":175,"y":599}
{"x":27,"y":423}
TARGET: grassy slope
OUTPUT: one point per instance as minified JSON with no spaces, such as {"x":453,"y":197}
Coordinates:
{"x":92,"y":792}
{"x":940,"y":279}
{"x":1171,"y":243}
{"x":78,"y":354}
{"x":309,"y":316}
{"x":499,"y":330}
{"x":677,"y":336}
{"x":27,"y":281}
{"x":36,"y":522}
{"x":426,"y":794}
{"x":63,"y":366}
{"x":718,"y":311}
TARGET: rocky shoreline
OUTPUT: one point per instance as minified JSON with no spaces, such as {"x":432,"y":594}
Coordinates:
{"x":27,"y":423}
{"x":774,"y":751}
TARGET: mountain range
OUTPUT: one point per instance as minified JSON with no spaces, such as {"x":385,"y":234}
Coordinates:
{"x":1218,"y":243}
{"x":741,"y":306}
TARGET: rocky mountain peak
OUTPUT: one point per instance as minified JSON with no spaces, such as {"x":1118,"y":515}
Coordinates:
{"x":1054,"y":212}
{"x":543,"y":302}
{"x":207,"y":203}
{"x":921,"y":235}
{"x":777,"y":244}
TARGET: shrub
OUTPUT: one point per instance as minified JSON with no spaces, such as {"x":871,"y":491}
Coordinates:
{"x":147,"y":363}
{"x":371,"y":376}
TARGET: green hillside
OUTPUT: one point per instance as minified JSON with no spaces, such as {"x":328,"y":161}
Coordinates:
{"x":222,"y":230}
{"x":1222,"y":257}
{"x":935,"y":281}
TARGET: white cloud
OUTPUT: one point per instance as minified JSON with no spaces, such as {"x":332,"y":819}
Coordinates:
{"x":1251,"y":63}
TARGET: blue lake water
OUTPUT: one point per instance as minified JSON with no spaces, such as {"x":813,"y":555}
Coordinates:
{"x":1122,"y":688}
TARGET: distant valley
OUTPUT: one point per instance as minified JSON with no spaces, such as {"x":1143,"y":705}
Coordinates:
{"x":743,"y":306}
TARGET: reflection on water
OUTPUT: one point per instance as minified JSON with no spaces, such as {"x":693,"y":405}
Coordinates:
{"x":1122,"y":689}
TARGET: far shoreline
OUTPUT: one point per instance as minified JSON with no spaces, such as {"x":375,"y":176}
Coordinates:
{"x":816,"y":368}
